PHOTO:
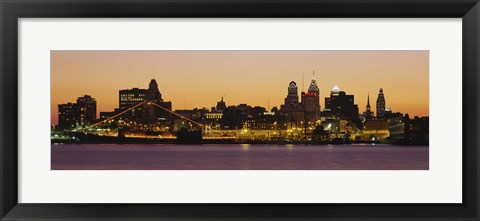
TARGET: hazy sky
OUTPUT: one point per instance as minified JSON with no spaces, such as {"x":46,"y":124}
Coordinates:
{"x":199,"y":78}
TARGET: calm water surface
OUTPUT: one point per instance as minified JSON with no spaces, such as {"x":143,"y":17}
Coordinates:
{"x":238,"y":157}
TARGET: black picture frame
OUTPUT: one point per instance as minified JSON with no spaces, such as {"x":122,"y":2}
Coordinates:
{"x":12,"y":10}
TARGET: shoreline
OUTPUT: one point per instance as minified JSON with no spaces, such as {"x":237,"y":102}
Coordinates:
{"x":234,"y":142}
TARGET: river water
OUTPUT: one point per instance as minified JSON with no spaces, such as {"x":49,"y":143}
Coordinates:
{"x":238,"y":157}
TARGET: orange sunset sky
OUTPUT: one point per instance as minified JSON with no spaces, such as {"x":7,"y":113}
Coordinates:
{"x":199,"y":78}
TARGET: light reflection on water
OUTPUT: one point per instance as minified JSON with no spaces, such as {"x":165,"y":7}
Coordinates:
{"x":238,"y":157}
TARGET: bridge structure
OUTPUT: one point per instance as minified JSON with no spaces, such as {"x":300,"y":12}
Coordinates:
{"x":206,"y":129}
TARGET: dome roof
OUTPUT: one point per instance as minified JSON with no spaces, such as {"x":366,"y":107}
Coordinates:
{"x":335,"y":89}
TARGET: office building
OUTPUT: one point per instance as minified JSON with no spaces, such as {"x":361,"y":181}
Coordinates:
{"x":380,"y":104}
{"x":311,"y":104}
{"x":341,"y":105}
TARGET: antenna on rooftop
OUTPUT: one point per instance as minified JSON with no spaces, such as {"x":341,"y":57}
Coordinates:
{"x":303,"y":81}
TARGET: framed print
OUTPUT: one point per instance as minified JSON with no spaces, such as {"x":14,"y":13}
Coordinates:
{"x":225,"y":110}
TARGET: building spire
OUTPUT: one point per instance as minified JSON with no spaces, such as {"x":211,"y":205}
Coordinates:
{"x":303,"y":81}
{"x":368,"y":100}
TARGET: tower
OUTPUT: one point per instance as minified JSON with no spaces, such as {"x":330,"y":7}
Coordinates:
{"x":153,"y":94}
{"x":380,"y":104}
{"x":292,"y":109}
{"x":221,"y":106}
{"x":151,"y":112}
{"x":311,"y":102}
{"x":368,"y":112}
{"x":292,"y":96}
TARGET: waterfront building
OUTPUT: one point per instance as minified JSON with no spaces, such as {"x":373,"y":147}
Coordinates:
{"x":81,"y":113}
{"x":341,"y":105}
{"x":375,"y":129}
{"x":233,"y":116}
{"x":67,"y":116}
{"x":419,"y":131}
{"x":87,"y":110}
{"x":399,"y":128}
{"x":199,"y":116}
{"x":380,"y":104}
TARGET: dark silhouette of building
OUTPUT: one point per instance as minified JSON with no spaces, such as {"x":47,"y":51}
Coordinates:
{"x":130,"y":97}
{"x":87,"y":110}
{"x":399,"y":128}
{"x":147,"y":113}
{"x":341,"y":105}
{"x":380,"y":104}
{"x":154,"y":96}
{"x":67,"y":116}
{"x":81,"y":113}
{"x":291,"y":101}
{"x":221,"y":105}
{"x":311,"y":103}
{"x":368,"y":113}
{"x":152,"y":113}
{"x":197,"y":115}
{"x":292,"y":109}
{"x":419,"y":130}
{"x":410,"y":131}
{"x":375,"y":129}
{"x":126,"y":99}
{"x":234,"y":116}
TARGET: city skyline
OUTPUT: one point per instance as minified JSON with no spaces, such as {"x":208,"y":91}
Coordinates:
{"x":404,"y":93}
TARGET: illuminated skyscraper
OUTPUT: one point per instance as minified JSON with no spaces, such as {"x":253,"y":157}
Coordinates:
{"x":380,"y":104}
{"x":292,"y":97}
{"x":292,"y":109}
{"x":311,"y":103}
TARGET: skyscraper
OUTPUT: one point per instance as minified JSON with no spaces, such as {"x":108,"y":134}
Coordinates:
{"x":380,"y":104}
{"x":87,"y":110}
{"x":292,"y":109}
{"x":152,"y":113}
{"x":292,"y":96}
{"x":153,"y":94}
{"x":311,"y":103}
{"x":341,"y":105}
